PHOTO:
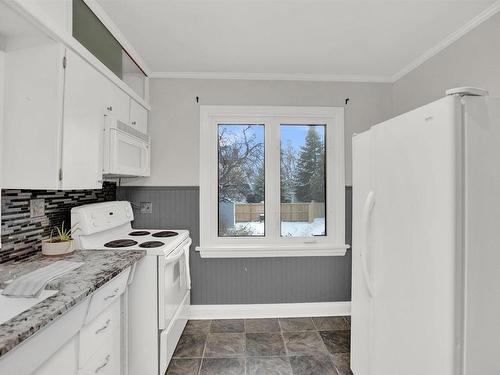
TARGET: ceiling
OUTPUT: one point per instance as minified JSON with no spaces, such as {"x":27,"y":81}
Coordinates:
{"x":375,"y":40}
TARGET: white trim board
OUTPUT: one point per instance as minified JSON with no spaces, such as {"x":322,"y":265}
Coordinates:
{"x":277,"y":310}
{"x":273,"y":76}
{"x":450,"y":39}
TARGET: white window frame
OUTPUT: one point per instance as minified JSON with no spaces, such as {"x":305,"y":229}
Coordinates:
{"x":272,"y":244}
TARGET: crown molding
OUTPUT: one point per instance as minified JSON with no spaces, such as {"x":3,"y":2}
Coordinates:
{"x":450,"y":39}
{"x":273,"y":76}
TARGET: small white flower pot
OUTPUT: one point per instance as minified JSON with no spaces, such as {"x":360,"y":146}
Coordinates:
{"x":57,"y":248}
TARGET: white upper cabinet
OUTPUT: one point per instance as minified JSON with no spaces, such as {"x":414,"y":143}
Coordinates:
{"x":138,"y":117}
{"x":54,"y":113}
{"x":119,"y":103}
{"x":54,"y":119}
{"x":31,"y":152}
{"x":85,"y":103}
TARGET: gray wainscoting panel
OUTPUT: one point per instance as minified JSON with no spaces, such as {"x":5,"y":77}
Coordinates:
{"x":243,"y":280}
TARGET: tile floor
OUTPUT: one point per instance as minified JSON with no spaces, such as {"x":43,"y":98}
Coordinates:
{"x":284,"y":346}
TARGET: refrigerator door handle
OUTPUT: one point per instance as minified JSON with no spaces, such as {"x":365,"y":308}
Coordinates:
{"x":367,"y":210}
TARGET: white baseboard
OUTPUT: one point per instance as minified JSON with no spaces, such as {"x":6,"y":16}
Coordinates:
{"x":270,"y":310}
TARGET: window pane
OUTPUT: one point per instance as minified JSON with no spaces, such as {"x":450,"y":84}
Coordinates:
{"x":241,"y":180}
{"x":303,"y":183}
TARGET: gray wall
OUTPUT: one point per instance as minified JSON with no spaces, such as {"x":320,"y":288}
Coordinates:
{"x":174,"y":123}
{"x":473,"y":60}
{"x":238,"y":281}
{"x":174,"y":126}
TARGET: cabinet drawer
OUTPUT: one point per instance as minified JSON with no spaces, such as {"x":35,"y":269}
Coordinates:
{"x":99,"y":333}
{"x":107,"y":294}
{"x":138,"y":117}
{"x":106,"y":361}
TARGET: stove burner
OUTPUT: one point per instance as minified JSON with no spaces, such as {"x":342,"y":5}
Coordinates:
{"x":120,"y":243}
{"x":165,"y":233}
{"x":139,"y":233}
{"x":150,"y":244}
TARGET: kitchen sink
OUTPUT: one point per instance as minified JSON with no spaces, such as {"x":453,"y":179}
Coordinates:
{"x":12,"y":306}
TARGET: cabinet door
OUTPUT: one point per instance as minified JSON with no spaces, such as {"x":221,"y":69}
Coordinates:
{"x":138,"y":117}
{"x":64,"y":361}
{"x":32,"y":116}
{"x":119,"y":103}
{"x":85,"y":99}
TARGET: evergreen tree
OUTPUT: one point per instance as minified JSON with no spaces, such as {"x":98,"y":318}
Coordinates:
{"x":318,"y":179}
{"x":309,"y":176}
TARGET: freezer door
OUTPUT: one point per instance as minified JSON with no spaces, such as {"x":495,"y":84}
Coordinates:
{"x":414,"y":241}
{"x":482,"y":140}
{"x":361,"y":305}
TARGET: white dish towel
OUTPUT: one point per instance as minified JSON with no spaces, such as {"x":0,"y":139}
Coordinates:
{"x":31,"y":284}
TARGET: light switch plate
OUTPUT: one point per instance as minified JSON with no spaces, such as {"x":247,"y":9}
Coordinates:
{"x":37,"y":207}
{"x":146,"y":208}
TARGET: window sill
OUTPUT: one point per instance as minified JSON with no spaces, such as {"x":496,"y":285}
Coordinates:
{"x":271,"y":251}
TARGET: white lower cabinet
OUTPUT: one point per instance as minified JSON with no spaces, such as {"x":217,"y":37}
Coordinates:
{"x":100,"y":343}
{"x":62,"y":362}
{"x":89,"y":339}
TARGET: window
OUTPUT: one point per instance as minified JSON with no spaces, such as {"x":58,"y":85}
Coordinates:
{"x":241,"y":180}
{"x":271,"y":181}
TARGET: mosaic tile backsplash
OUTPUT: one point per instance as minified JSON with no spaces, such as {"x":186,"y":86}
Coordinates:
{"x":22,"y":233}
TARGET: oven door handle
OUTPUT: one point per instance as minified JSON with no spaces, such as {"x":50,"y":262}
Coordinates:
{"x":179,"y":253}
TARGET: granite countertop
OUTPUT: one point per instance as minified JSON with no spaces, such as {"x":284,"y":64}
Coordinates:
{"x":99,"y":267}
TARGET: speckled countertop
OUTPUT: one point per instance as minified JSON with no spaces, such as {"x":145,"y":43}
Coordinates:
{"x":99,"y":267}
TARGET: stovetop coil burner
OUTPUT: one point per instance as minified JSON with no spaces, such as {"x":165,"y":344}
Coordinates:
{"x":139,"y":233}
{"x":120,"y":243}
{"x":165,"y":233}
{"x":151,"y":244}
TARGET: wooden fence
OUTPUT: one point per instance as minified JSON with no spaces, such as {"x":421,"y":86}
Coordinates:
{"x":305,"y":212}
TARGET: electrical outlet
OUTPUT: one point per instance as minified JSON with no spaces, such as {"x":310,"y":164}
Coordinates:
{"x":37,"y":207}
{"x":146,"y":208}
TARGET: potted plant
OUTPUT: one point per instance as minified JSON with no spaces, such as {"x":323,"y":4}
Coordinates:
{"x":60,"y":244}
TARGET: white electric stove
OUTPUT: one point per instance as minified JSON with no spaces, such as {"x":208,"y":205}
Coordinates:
{"x":159,"y":297}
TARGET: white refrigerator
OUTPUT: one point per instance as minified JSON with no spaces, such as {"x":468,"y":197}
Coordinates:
{"x":426,"y":241}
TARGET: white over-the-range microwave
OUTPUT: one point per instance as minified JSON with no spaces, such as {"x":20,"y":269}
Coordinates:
{"x":126,"y":151}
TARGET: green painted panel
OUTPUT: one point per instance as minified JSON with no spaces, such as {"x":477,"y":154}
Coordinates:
{"x":94,"y":36}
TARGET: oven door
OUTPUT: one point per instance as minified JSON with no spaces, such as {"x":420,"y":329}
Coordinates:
{"x":126,"y":155}
{"x":174,"y":283}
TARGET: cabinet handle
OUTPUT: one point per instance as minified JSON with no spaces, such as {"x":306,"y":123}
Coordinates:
{"x":103,"y":327}
{"x":106,"y":361}
{"x":110,"y":108}
{"x":115,"y":292}
{"x":133,"y":122}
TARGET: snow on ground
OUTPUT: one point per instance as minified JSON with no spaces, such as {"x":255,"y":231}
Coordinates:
{"x":288,"y":228}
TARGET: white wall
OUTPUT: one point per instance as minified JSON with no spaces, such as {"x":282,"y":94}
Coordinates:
{"x":473,"y":60}
{"x":174,"y":120}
